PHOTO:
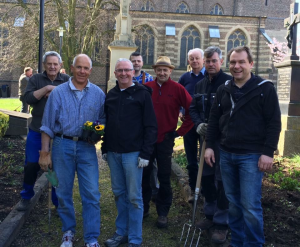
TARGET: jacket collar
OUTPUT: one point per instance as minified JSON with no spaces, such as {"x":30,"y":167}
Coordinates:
{"x":165,"y":83}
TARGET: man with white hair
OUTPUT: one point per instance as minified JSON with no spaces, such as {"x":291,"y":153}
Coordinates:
{"x":191,"y":139}
{"x":36,"y":94}
{"x":129,"y":140}
{"x":69,"y":106}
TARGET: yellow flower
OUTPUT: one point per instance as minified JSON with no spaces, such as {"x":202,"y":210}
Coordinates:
{"x":88,"y":123}
{"x":99,"y":127}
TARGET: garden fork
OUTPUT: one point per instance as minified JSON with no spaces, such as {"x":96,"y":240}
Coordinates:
{"x":190,"y":226}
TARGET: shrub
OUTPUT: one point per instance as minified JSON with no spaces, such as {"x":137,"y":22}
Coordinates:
{"x":4,"y":123}
{"x":289,"y":184}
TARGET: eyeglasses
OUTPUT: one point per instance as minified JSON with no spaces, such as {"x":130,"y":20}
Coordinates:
{"x":125,"y":70}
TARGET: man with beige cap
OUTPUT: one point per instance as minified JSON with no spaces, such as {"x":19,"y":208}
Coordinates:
{"x":167,"y":97}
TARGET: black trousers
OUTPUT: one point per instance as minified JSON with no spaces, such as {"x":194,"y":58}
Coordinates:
{"x":191,"y":140}
{"x":24,"y":104}
{"x":163,"y":154}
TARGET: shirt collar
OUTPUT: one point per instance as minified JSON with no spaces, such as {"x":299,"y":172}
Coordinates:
{"x":202,"y":71}
{"x":73,"y":88}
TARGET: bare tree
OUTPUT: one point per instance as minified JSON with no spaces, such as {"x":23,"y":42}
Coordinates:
{"x":87,"y":24}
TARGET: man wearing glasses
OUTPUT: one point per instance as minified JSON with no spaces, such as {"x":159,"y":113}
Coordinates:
{"x":130,"y":134}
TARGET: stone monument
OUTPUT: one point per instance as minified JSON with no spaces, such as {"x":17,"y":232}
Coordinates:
{"x":288,"y":87}
{"x":122,"y":46}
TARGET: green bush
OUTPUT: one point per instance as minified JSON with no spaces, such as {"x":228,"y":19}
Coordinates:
{"x":4,"y":123}
{"x":289,"y":184}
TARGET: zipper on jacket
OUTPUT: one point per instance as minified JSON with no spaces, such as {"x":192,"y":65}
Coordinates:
{"x":232,"y":105}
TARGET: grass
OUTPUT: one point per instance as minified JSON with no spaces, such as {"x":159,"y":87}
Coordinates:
{"x":296,"y":159}
{"x":10,"y":104}
{"x":287,"y":175}
{"x":152,"y":236}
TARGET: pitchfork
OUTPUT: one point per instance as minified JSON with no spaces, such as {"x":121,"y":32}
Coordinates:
{"x":191,"y":224}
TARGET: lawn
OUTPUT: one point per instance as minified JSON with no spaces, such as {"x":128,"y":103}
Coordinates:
{"x":10,"y":104}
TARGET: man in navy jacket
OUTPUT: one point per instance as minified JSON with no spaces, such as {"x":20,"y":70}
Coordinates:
{"x":245,"y":117}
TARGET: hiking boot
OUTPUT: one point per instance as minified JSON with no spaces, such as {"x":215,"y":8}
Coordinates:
{"x":204,"y":224}
{"x":134,"y":245}
{"x":116,"y":240}
{"x":162,"y":222}
{"x":146,"y":214}
{"x":219,"y":236}
{"x":67,"y":239}
{"x":23,"y":205}
{"x":191,"y":197}
{"x":96,"y":244}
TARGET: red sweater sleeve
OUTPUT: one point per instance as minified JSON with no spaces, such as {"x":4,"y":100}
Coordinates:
{"x":185,"y":101}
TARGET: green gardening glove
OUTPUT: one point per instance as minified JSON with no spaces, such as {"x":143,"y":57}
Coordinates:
{"x":52,"y":178}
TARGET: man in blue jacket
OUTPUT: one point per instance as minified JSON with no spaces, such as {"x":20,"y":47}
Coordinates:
{"x":191,"y":139}
{"x":245,"y":117}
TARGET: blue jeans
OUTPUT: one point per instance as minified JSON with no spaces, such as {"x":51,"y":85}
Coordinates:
{"x":69,"y":157}
{"x":242,"y":182}
{"x":31,"y":166}
{"x":126,"y":183}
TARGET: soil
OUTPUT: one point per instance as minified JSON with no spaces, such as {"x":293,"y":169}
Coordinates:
{"x":12,"y":155}
{"x":281,"y":207}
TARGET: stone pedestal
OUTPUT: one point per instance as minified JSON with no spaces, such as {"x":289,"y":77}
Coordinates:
{"x":289,"y":140}
{"x":122,"y":46}
{"x":288,"y":88}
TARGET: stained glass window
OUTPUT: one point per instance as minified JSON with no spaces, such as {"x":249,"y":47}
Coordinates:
{"x":182,"y":8}
{"x":237,"y":38}
{"x":147,"y":6}
{"x":217,"y":10}
{"x":144,"y":39}
{"x":190,"y":39}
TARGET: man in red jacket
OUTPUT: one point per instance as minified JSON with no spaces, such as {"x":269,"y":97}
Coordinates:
{"x":167,"y":97}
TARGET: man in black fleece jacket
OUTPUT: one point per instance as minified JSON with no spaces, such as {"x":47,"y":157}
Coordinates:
{"x":216,"y":203}
{"x":130,"y":135}
{"x":245,"y":116}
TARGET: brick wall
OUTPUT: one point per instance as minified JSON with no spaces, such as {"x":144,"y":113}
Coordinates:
{"x":274,"y":9}
{"x":170,"y":45}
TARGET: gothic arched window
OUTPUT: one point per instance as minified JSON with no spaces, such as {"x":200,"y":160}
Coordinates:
{"x":237,"y":38}
{"x":144,"y":39}
{"x":190,"y":39}
{"x":217,"y":10}
{"x":147,"y":6}
{"x":182,"y":8}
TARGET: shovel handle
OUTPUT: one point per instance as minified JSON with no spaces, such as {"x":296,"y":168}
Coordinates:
{"x":200,"y":168}
{"x":198,"y":183}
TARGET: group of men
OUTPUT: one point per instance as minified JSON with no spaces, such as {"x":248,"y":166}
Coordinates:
{"x":238,"y":116}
